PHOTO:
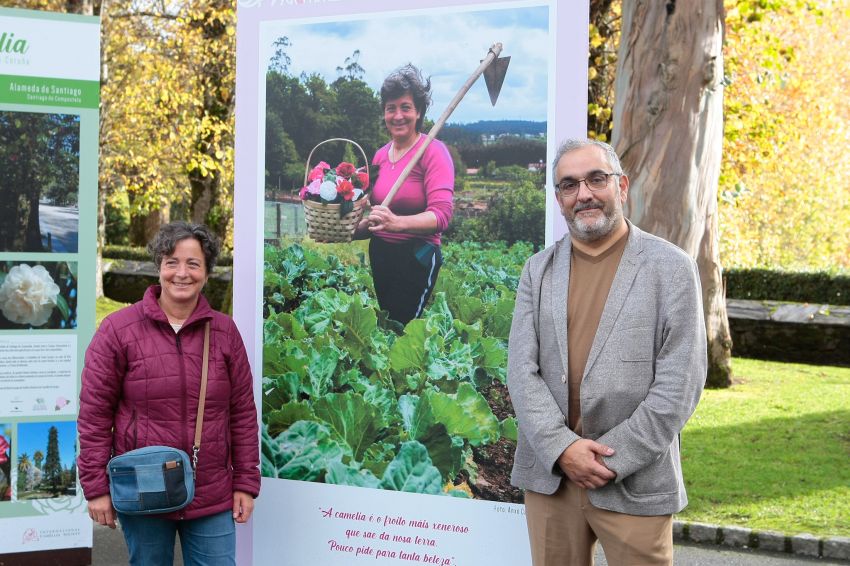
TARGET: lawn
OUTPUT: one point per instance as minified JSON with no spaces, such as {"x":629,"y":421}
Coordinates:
{"x":773,"y":451}
{"x":105,"y":306}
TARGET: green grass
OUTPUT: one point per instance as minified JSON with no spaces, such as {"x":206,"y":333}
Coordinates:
{"x":105,"y":306}
{"x":773,"y":451}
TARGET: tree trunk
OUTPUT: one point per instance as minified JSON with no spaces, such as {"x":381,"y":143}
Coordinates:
{"x":600,"y":82}
{"x":101,"y":242}
{"x":668,"y":129}
{"x":143,"y":227}
{"x":209,"y":186}
{"x":33,"y":227}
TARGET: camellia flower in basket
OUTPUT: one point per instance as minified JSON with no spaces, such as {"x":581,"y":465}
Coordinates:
{"x":28,"y":295}
{"x":339,"y":185}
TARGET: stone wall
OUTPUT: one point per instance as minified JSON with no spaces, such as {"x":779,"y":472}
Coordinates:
{"x":790,"y":332}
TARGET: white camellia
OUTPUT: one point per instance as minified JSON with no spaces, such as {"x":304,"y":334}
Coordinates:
{"x":328,"y":190}
{"x":28,"y":295}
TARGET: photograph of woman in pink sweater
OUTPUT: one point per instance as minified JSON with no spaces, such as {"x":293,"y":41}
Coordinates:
{"x":404,"y":251}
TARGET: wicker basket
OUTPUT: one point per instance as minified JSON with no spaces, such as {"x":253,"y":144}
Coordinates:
{"x":324,"y":223}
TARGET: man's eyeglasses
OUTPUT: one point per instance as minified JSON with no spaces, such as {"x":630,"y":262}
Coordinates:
{"x":595,"y":182}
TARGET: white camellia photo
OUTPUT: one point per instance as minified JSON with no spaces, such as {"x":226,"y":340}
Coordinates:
{"x":30,"y":295}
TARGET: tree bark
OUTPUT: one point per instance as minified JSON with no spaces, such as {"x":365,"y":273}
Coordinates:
{"x":143,"y":227}
{"x":668,"y":130}
{"x":600,"y":83}
{"x":208,"y":186}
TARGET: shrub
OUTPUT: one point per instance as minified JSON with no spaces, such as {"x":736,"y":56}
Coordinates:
{"x":802,"y":287}
{"x":514,"y":215}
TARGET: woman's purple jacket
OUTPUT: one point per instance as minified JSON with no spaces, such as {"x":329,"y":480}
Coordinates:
{"x":140,"y":388}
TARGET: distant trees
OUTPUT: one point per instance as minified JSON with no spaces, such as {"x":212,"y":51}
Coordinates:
{"x":508,"y":150}
{"x":167,"y":101}
{"x":514,"y":209}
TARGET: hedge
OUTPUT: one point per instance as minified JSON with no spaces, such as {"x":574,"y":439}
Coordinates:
{"x":798,"y":287}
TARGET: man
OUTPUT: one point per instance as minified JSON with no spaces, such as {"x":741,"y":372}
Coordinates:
{"x":606,"y":363}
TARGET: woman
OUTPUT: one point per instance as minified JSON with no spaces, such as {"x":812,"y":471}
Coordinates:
{"x":140,"y":387}
{"x":404,"y":250}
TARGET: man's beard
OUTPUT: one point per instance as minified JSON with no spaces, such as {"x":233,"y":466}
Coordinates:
{"x":612,"y":215}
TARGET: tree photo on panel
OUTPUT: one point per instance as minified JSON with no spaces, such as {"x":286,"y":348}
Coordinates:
{"x":47,"y":465}
{"x":39,"y":182}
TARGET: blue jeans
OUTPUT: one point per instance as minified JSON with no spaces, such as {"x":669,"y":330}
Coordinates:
{"x":205,"y":541}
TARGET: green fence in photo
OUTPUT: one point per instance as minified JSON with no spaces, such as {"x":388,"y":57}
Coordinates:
{"x":283,"y":219}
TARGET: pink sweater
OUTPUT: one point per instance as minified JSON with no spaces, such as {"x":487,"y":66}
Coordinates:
{"x":430,"y":186}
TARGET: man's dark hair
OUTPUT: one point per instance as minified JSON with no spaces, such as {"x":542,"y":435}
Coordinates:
{"x":408,"y":80}
{"x":166,"y":239}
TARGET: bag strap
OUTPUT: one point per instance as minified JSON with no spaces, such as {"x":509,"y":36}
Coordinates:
{"x":202,"y":397}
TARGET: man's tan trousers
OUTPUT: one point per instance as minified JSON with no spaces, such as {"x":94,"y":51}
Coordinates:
{"x":564,"y":527}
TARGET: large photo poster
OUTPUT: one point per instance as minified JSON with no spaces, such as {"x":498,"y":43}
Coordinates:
{"x":386,"y":427}
{"x":49,"y":90}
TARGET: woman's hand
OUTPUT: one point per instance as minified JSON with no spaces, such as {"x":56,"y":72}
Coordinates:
{"x":243,"y":506}
{"x":382,"y":219}
{"x":361,"y":232}
{"x":101,"y":510}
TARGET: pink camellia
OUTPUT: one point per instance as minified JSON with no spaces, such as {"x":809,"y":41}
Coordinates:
{"x":4,"y":446}
{"x":345,"y":169}
{"x":363,"y":177}
{"x":318,"y":171}
{"x":313,"y":188}
{"x":345,"y":189}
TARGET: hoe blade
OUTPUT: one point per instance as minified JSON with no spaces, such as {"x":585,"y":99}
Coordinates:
{"x":494,"y":77}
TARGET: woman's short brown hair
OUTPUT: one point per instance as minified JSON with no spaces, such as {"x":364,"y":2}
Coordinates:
{"x":166,"y":239}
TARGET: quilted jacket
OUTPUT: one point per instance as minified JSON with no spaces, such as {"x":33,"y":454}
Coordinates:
{"x":140,"y":387}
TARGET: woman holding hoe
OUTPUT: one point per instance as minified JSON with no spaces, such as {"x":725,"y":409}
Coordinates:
{"x":404,"y":250}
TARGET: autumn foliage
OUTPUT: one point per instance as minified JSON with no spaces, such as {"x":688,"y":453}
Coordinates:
{"x":784,"y":195}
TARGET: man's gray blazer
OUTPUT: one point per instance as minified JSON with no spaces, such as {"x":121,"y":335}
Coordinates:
{"x":643,"y":378}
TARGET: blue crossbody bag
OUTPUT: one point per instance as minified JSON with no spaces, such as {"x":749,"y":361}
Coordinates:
{"x":159,"y":479}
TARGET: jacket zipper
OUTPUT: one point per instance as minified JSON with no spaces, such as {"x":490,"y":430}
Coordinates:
{"x":183,"y":390}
